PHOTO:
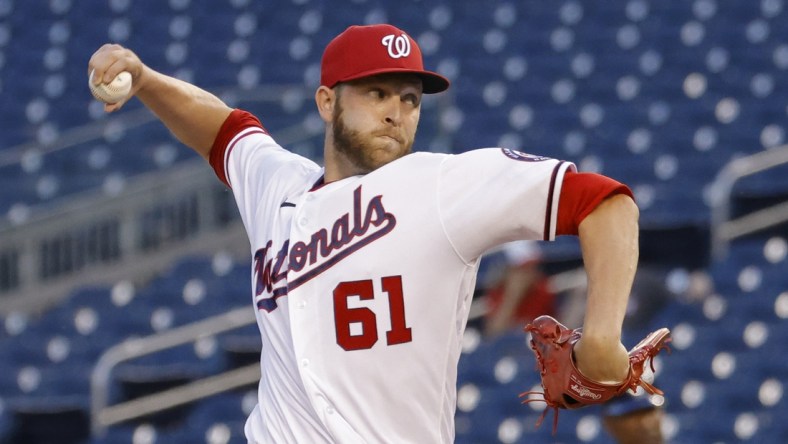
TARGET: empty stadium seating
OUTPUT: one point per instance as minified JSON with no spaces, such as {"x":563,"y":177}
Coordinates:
{"x":659,"y":95}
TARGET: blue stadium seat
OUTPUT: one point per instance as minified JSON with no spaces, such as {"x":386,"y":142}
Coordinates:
{"x":49,"y":419}
{"x":222,"y":415}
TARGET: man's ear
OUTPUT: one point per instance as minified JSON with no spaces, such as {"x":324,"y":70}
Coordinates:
{"x":325,"y":98}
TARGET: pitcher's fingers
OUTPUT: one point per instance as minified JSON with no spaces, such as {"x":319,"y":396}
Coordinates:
{"x":103,"y":60}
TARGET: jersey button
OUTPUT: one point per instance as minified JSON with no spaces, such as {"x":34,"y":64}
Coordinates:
{"x":330,"y":410}
{"x":302,"y":305}
{"x":303,"y":221}
{"x":305,"y":363}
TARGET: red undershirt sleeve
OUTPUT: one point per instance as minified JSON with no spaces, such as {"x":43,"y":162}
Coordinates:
{"x":581,"y":193}
{"x":235,"y":122}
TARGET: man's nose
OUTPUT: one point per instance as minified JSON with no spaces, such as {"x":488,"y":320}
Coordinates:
{"x":394,"y":110}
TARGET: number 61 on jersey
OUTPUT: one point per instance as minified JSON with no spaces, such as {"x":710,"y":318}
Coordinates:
{"x":344,"y":316}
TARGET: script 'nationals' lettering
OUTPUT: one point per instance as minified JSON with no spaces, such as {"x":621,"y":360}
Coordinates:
{"x":324,"y":248}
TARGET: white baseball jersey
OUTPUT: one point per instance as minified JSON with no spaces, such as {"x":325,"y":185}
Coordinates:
{"x":362,"y":286}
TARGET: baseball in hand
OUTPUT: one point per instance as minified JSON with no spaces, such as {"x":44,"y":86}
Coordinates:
{"x":114,"y":91}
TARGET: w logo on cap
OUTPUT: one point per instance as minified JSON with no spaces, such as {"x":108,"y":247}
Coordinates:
{"x":357,"y":53}
{"x":398,"y":46}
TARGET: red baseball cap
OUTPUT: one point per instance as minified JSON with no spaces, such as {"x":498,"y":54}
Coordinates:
{"x":362,"y":51}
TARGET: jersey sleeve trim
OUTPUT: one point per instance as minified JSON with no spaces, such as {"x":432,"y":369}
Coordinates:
{"x":229,"y":134}
{"x":581,"y":194}
{"x":551,"y":213}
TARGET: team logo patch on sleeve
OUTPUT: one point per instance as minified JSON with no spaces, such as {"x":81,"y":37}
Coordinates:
{"x":523,"y":157}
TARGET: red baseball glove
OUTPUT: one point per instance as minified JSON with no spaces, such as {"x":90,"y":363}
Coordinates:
{"x":564,"y":386}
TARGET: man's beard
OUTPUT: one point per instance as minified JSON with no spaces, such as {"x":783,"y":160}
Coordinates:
{"x":353,"y":146}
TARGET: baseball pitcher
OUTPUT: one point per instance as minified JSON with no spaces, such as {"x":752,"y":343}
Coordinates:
{"x":363,"y":269}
